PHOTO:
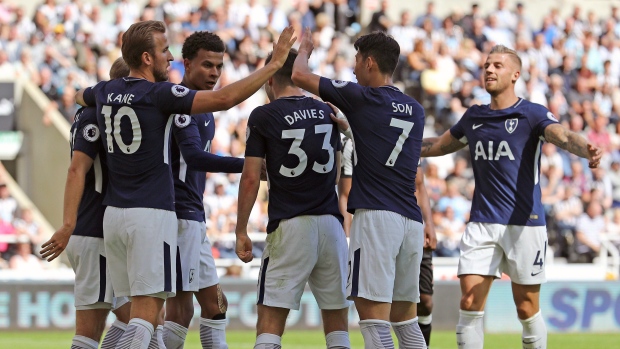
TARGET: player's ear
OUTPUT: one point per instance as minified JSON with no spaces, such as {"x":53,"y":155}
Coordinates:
{"x":186,"y":63}
{"x":515,"y":76}
{"x":146,"y":58}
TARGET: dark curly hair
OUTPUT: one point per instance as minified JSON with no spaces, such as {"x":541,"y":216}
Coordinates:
{"x":201,"y":40}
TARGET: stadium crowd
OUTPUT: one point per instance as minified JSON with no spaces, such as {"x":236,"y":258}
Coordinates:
{"x":571,"y":65}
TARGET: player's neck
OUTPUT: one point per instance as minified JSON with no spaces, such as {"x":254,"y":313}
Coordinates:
{"x":380,"y":80}
{"x":504,"y":100}
{"x":141,"y":74}
{"x":287,"y":91}
{"x":187,"y":83}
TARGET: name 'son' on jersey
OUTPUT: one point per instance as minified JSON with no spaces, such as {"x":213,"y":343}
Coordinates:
{"x":402,"y":108}
{"x":502,"y":150}
{"x":303,"y":115}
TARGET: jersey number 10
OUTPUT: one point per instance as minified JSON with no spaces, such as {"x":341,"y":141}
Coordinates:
{"x":136,"y":138}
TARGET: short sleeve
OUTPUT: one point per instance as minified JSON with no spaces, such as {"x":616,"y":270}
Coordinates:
{"x":541,"y":117}
{"x":87,"y":135}
{"x":172,"y":99}
{"x":255,"y":140}
{"x":458,"y":130}
{"x":90,"y":94}
{"x":344,"y":94}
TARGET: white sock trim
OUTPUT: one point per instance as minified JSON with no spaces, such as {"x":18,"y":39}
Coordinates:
{"x":371,"y":322}
{"x":405,"y":323}
{"x":471,"y":314}
{"x":216,"y":324}
{"x":531,"y":319}
{"x":175,"y":328}
{"x":425,"y":320}
{"x":268,"y":338}
{"x":91,"y":343}
{"x":143,"y":323}
{"x":338,"y":339}
{"x":119,"y":324}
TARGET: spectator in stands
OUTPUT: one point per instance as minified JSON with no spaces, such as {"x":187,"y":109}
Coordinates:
{"x":589,"y":227}
{"x":428,"y":15}
{"x":24,"y":260}
{"x":379,"y":20}
{"x":614,"y":178}
{"x":6,"y":230}
{"x":8,"y":205}
{"x":449,"y":233}
{"x":454,"y":200}
{"x":26,"y":226}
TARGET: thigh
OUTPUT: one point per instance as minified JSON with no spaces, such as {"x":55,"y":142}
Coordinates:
{"x":115,"y":240}
{"x":407,"y":279}
{"x":151,"y":251}
{"x":207,"y":270}
{"x":92,"y":286}
{"x":289,"y":257}
{"x":189,"y":242}
{"x":376,"y":238}
{"x":525,"y":248}
{"x":481,"y":253}
{"x":328,"y":278}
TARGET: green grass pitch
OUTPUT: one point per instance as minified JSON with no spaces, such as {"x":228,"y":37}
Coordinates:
{"x":313,"y":339}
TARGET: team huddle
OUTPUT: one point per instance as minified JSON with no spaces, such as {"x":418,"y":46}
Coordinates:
{"x":134,"y":221}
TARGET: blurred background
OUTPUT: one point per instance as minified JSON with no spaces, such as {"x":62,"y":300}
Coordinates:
{"x":571,"y":64}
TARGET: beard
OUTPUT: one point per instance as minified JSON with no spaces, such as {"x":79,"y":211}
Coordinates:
{"x":160,"y":75}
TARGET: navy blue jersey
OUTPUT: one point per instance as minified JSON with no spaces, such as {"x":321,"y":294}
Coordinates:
{"x":299,"y":142}
{"x":85,"y":138}
{"x":505,"y":151}
{"x":132,"y":114}
{"x":387,"y":128}
{"x":191,"y":159}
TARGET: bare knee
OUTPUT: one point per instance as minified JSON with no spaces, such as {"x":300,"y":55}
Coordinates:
{"x":470,"y":302}
{"x":526,"y":310}
{"x":122,"y":313}
{"x":213,"y":303}
{"x":425,"y":307}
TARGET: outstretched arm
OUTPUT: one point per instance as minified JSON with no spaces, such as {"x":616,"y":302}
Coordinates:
{"x":442,"y":145}
{"x":235,"y":93}
{"x":574,"y":143}
{"x":248,"y":191}
{"x":302,"y":75}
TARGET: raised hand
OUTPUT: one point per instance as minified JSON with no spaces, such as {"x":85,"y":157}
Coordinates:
{"x":339,"y":118}
{"x":594,"y":156}
{"x":307,"y":44}
{"x":283,"y":46}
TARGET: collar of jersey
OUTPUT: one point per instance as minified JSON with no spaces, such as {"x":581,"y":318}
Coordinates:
{"x":294,"y":98}
{"x":131,"y":78}
{"x":391,"y":87}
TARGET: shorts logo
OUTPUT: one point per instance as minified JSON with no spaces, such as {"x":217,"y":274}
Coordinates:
{"x":191,"y":275}
{"x":551,"y":117}
{"x":182,"y":120}
{"x":179,"y":91}
{"x":91,"y":132}
{"x":339,"y":83}
{"x":511,"y":125}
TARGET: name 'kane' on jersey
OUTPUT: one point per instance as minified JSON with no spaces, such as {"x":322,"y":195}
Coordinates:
{"x":299,"y":140}
{"x":85,"y":138}
{"x":132,"y":114}
{"x":387,"y":128}
{"x":505,"y":148}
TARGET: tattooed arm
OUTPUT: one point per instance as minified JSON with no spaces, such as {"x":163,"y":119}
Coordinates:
{"x":442,"y":145}
{"x":573,"y":142}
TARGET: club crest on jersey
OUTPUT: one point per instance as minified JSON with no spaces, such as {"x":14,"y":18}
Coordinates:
{"x":191,"y":275}
{"x":91,"y":132}
{"x":511,"y":125}
{"x":179,"y":90}
{"x":182,"y":120}
{"x":339,"y":83}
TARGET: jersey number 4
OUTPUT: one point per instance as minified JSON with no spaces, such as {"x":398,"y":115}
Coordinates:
{"x":406,"y":126}
{"x":298,"y":136}
{"x":136,"y":138}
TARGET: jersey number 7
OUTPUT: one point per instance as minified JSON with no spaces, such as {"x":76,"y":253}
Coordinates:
{"x":406,"y":126}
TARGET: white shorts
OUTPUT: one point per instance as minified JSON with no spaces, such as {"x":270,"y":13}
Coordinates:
{"x":191,"y":234}
{"x":207,"y":271}
{"x":385,"y":252}
{"x":493,"y":249}
{"x":310,"y":249}
{"x":141,"y":247}
{"x":93,"y":289}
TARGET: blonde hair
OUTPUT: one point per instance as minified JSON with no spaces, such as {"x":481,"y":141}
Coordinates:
{"x":505,"y":50}
{"x":119,"y":69}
